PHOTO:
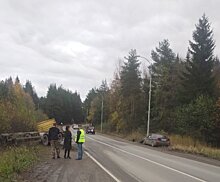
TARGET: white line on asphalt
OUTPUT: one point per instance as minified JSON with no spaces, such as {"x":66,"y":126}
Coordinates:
{"x":167,"y":167}
{"x":100,"y":165}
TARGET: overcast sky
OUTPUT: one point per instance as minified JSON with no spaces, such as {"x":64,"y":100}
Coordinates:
{"x":77,"y":43}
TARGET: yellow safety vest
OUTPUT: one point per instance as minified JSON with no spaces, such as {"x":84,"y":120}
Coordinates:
{"x":81,"y":137}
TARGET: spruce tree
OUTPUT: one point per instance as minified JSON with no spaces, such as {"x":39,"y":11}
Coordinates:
{"x":130,"y":92}
{"x":165,"y":84}
{"x":130,"y":75}
{"x":197,"y":79}
{"x":28,"y":88}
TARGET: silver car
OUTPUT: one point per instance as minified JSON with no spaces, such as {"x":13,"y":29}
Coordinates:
{"x":156,"y":140}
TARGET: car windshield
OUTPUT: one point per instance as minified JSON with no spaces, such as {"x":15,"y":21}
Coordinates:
{"x":157,"y":136}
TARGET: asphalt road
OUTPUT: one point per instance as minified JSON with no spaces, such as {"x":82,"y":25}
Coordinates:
{"x":126,"y":162}
{"x":64,"y":170}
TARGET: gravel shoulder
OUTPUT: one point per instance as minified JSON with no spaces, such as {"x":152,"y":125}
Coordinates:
{"x":64,"y":170}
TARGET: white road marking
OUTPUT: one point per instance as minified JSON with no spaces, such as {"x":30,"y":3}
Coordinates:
{"x":100,"y":165}
{"x":159,"y":164}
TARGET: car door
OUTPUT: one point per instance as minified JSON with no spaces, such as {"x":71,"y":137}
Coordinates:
{"x":148,"y":140}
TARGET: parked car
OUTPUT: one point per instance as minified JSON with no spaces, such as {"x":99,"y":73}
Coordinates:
{"x":156,"y":140}
{"x":91,"y":130}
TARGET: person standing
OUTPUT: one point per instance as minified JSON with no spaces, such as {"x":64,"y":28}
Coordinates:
{"x":54,"y":140}
{"x":80,"y":139}
{"x":67,"y":142}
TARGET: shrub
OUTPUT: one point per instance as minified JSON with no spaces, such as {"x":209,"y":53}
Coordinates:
{"x":197,"y":119}
{"x":15,"y":160}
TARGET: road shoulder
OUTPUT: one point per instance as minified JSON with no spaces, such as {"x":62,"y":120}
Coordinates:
{"x":65,"y":170}
{"x":167,"y":150}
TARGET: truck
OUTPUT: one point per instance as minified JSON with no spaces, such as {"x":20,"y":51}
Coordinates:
{"x":18,"y":138}
{"x":44,"y":126}
{"x":41,"y":135}
{"x":43,"y":129}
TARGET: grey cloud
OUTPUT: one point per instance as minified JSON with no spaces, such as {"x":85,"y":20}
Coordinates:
{"x":78,"y":43}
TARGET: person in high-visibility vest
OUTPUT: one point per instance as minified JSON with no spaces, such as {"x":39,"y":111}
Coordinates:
{"x":80,"y":139}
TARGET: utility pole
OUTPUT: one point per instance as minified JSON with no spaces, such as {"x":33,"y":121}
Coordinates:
{"x":149,"y":99}
{"x":149,"y":105}
{"x":102,"y":113}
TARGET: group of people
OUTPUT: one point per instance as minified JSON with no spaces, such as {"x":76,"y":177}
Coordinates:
{"x":67,"y":145}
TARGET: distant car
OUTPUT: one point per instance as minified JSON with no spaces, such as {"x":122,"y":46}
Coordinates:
{"x":90,"y":130}
{"x":156,"y":140}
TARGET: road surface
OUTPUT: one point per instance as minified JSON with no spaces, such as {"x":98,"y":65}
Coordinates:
{"x":64,"y":170}
{"x":126,"y":162}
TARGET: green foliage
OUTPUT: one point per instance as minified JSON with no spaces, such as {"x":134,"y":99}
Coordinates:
{"x":87,"y":104}
{"x":28,"y":88}
{"x":216,"y":75}
{"x":216,"y":129}
{"x":63,"y":105}
{"x":130,"y":91}
{"x":184,"y":92}
{"x":130,"y":76}
{"x":197,"y":79}
{"x":93,"y":104}
{"x":166,"y":82}
{"x":16,"y":160}
{"x":122,"y":108}
{"x":197,"y":119}
{"x":17,"y":110}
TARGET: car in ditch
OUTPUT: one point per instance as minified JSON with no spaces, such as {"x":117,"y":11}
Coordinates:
{"x":156,"y":140}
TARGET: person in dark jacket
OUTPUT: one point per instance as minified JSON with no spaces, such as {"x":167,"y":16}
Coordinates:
{"x":67,"y":142}
{"x":53,"y":138}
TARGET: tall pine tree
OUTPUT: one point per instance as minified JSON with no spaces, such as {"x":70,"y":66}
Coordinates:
{"x":28,"y":88}
{"x":131,"y":92}
{"x":165,"y":84}
{"x":197,"y":79}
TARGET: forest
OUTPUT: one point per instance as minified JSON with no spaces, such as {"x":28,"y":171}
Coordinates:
{"x":185,"y":92}
{"x":185,"y":95}
{"x":21,"y":108}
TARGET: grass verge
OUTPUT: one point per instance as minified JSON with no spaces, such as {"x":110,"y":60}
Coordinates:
{"x":15,"y":160}
{"x":135,"y":136}
{"x":188,"y":145}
